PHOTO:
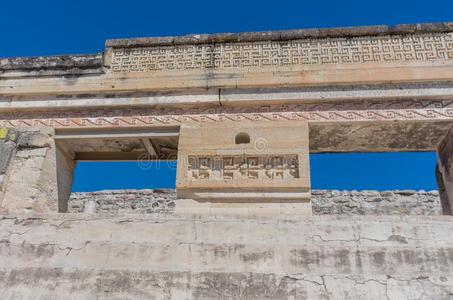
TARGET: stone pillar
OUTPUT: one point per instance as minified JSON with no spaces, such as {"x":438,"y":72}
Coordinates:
{"x":7,"y":151}
{"x":444,"y":172}
{"x":65,"y":165}
{"x":37,"y":174}
{"x":244,"y":168}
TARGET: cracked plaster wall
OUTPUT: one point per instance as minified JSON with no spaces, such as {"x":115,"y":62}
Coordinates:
{"x":188,"y":257}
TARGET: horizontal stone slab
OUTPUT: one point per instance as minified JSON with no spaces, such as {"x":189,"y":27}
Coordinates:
{"x":56,"y":283}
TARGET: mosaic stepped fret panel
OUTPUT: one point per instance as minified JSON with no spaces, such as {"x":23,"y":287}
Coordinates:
{"x":422,"y":47}
{"x":243,"y":167}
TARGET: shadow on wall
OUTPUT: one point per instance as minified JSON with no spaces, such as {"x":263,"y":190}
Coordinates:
{"x":348,"y":171}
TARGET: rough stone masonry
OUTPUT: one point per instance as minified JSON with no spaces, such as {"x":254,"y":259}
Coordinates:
{"x":324,"y":202}
{"x":239,"y":115}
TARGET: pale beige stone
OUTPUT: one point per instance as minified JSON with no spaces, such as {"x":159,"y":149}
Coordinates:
{"x":243,"y":229}
{"x":251,"y":163}
{"x":318,"y":257}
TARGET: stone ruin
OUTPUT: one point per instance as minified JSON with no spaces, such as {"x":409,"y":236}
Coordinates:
{"x":240,"y":114}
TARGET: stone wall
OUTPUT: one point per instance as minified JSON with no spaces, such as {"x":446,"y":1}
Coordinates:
{"x":70,"y":256}
{"x":404,"y":202}
{"x":28,"y":170}
{"x":7,"y":151}
{"x":137,"y":201}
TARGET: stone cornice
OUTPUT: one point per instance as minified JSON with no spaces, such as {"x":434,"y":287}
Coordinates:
{"x":54,"y":63}
{"x":86,"y":63}
{"x":282,"y":35}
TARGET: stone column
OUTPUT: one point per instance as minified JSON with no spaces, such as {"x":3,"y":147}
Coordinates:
{"x":7,"y":151}
{"x":244,"y":168}
{"x":39,"y":174}
{"x":65,"y":165}
{"x":444,"y":172}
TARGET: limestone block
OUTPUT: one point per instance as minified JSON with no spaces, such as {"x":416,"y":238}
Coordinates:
{"x":35,"y":139}
{"x":37,"y":180}
{"x":256,"y":164}
{"x":7,"y":150}
{"x":271,"y":162}
{"x":32,"y":183}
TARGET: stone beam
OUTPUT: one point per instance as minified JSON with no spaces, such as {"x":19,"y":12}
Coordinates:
{"x":215,"y":97}
{"x":367,"y":73}
{"x":377,"y":137}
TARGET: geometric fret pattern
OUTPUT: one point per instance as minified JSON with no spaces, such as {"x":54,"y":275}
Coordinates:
{"x":243,"y":167}
{"x":324,"y":112}
{"x":390,"y":48}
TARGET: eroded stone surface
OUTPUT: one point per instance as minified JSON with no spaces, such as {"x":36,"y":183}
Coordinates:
{"x":324,"y":202}
{"x":45,"y":63}
{"x":188,"y":249}
{"x":174,"y":257}
{"x":283,"y":35}
{"x":28,"y":170}
{"x":117,"y":201}
{"x":402,"y":202}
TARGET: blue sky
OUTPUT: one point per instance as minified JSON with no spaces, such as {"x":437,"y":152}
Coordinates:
{"x":49,"y":27}
{"x":377,"y":171}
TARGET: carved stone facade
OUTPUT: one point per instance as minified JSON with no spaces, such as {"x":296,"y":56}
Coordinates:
{"x":363,"y":89}
{"x":257,"y":165}
{"x":350,"y":111}
{"x":242,"y":113}
{"x":269,"y":167}
{"x":396,"y":48}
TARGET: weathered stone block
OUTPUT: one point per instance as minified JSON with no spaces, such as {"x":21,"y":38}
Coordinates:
{"x":7,"y":150}
{"x":32,"y":183}
{"x":33,"y":139}
{"x":347,"y":203}
{"x":251,"y":163}
{"x":375,"y":202}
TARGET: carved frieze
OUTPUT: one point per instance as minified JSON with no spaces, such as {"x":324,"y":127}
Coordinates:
{"x":237,"y":167}
{"x":391,"y":48}
{"x":408,"y":110}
